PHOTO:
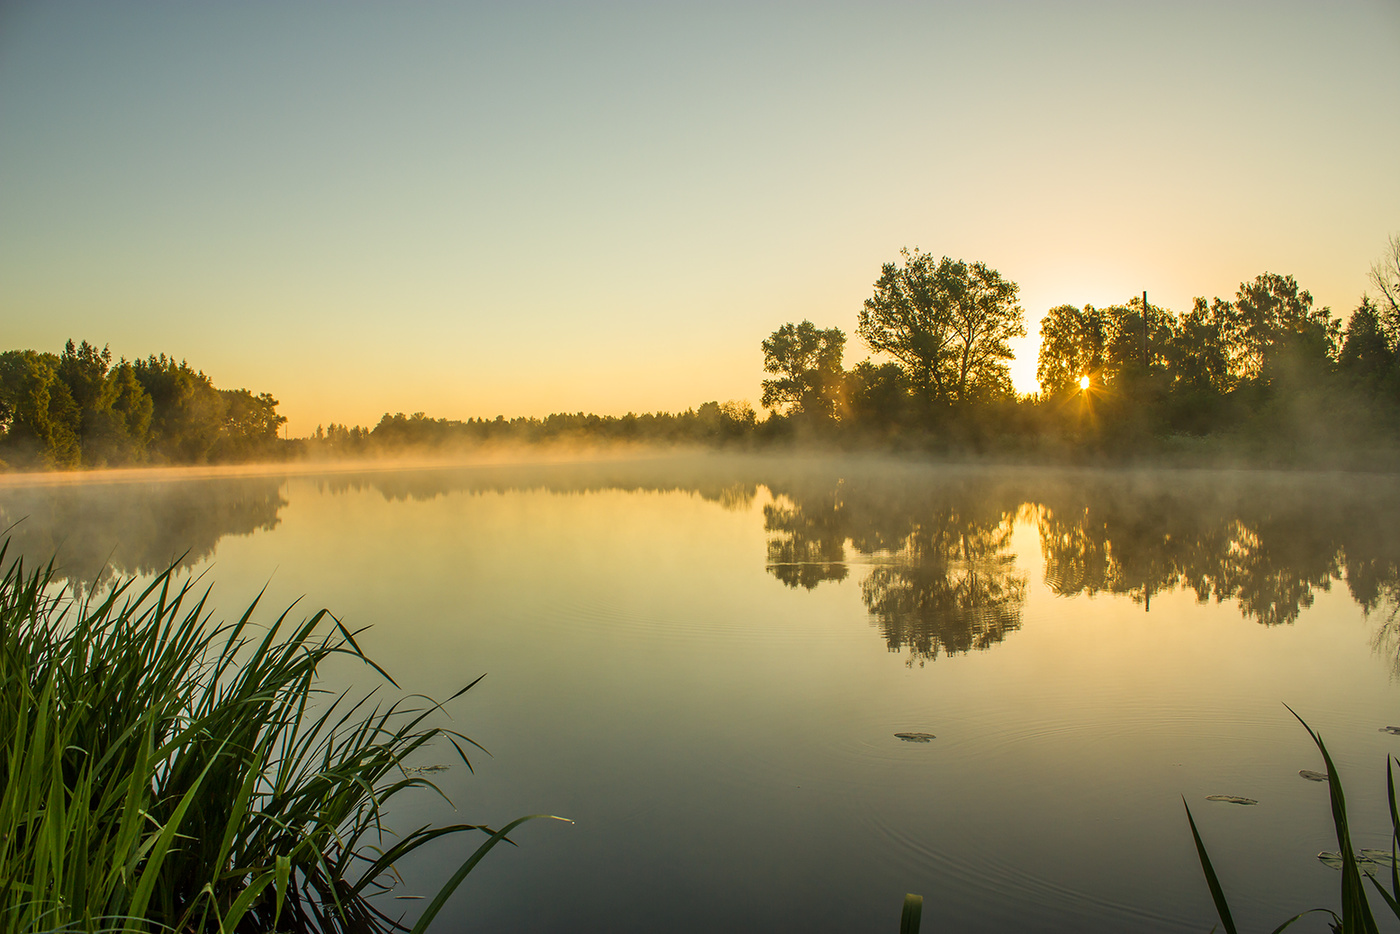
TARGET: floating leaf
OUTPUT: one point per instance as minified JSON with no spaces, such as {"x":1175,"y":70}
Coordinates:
{"x":1312,"y":776}
{"x":1231,"y":799}
{"x":1328,"y":858}
{"x":1393,"y":730}
{"x":1383,"y":857}
{"x":1367,"y":859}
{"x":916,"y":737}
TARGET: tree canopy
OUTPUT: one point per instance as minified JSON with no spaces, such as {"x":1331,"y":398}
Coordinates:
{"x":948,"y":322}
{"x":78,"y":409}
{"x":807,"y":364}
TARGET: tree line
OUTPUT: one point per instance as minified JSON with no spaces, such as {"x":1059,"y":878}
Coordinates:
{"x":79,"y":409}
{"x":1265,"y":369}
{"x":1264,"y":374}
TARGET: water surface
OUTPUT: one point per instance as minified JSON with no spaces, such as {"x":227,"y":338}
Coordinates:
{"x":704,"y":663}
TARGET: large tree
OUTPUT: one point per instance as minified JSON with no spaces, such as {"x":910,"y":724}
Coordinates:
{"x":807,"y":364}
{"x":1073,"y":344}
{"x":1275,"y":326}
{"x":1199,"y":353}
{"x":948,"y":322}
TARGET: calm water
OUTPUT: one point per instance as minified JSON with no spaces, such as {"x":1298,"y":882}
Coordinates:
{"x":704,"y":663}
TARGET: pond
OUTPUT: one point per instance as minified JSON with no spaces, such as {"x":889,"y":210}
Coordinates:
{"x":778,"y":694}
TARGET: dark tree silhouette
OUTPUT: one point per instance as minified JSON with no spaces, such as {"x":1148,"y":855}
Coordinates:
{"x":806,"y":362}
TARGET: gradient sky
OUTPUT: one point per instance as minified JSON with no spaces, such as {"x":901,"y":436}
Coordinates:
{"x":522,"y":208}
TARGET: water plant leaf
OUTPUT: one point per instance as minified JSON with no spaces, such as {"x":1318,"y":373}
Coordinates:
{"x":1231,"y":799}
{"x":1380,"y":857}
{"x":1217,"y":894}
{"x":1312,"y":776}
{"x":1392,"y":898}
{"x":1356,"y":911}
{"x":916,"y":737}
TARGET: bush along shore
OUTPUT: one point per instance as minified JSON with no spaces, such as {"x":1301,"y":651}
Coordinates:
{"x":164,"y":773}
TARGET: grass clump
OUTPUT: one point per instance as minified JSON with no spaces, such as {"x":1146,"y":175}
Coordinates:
{"x":163,"y":773}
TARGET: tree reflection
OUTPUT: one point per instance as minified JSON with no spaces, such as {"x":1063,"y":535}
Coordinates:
{"x":806,"y":542}
{"x":1270,"y":548}
{"x":97,"y":531}
{"x":941,"y":578}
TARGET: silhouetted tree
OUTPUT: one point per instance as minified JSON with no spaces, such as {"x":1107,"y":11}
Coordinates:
{"x":1073,"y":344}
{"x":878,"y":396}
{"x":1367,"y":353}
{"x":948,"y":322}
{"x":1199,"y":354}
{"x":1277,"y":329}
{"x":807,"y":364}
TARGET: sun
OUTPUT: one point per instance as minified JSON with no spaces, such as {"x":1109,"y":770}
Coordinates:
{"x":1083,"y":382}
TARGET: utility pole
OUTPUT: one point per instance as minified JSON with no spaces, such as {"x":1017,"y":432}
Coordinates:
{"x":1144,"y":330}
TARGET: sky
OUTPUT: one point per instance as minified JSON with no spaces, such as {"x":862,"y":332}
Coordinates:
{"x":522,"y":208}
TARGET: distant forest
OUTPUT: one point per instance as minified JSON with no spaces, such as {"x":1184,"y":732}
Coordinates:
{"x":79,"y":409}
{"x":1264,"y":376}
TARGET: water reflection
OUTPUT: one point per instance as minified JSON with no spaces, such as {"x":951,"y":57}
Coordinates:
{"x":931,"y":548}
{"x":99,"y":531}
{"x":941,"y":577}
{"x":1269,"y":546}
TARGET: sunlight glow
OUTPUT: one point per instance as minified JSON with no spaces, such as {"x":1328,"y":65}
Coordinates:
{"x":1083,"y":382}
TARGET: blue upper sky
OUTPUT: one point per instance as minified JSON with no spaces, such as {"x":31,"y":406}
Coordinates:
{"x":530,"y":207}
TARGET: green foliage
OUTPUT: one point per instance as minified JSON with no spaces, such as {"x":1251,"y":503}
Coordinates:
{"x":1073,"y":344}
{"x":1368,"y":356}
{"x":37,"y":411}
{"x":879,"y":397}
{"x":807,"y":365}
{"x":949,"y":324}
{"x":188,"y":410}
{"x":78,"y":409}
{"x":163,"y":773}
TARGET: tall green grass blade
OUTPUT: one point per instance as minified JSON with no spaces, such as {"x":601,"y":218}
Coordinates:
{"x":155,"y":859}
{"x":446,"y":891}
{"x":1392,"y":898}
{"x":1217,"y":894}
{"x":1356,"y":910}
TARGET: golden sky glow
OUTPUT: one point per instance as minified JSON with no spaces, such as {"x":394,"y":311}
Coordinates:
{"x":517,"y":209}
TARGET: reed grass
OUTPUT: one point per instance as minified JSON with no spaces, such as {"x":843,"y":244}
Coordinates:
{"x":162,"y":772}
{"x":1356,"y":916}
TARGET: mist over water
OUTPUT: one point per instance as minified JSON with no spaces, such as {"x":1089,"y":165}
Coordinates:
{"x":704,"y":661}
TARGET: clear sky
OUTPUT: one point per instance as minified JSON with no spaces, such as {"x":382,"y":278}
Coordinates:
{"x":519,"y":208}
